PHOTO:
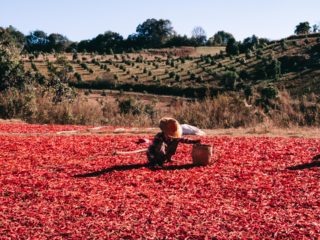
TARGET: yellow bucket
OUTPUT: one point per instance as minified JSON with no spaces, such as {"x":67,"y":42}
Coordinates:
{"x":201,"y":154}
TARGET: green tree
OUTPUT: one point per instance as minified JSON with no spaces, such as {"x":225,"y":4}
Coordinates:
{"x":104,"y":42}
{"x":221,"y":38}
{"x":57,"y":42}
{"x":303,"y":28}
{"x":11,"y":69}
{"x":154,"y":32}
{"x":229,"y":80}
{"x":232,"y":47}
{"x":11,"y":35}
{"x":37,"y":41}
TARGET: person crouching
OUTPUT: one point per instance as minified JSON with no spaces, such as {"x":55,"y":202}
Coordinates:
{"x":165,"y":143}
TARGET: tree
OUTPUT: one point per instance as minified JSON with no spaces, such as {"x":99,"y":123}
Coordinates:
{"x":273,"y":70}
{"x":103,"y":42}
{"x":232,"y":47}
{"x":199,"y":35}
{"x":57,"y":42}
{"x":178,"y":41}
{"x":83,"y":46}
{"x":229,"y":80}
{"x":11,"y":69}
{"x":11,"y":35}
{"x":249,"y":43}
{"x":303,"y":28}
{"x":154,"y":33}
{"x":221,"y":38}
{"x":315,"y":28}
{"x":37,"y":41}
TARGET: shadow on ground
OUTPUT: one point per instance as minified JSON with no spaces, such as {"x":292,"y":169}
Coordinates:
{"x":132,"y":167}
{"x":305,"y":166}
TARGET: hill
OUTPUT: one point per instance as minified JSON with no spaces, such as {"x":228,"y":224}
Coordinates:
{"x":292,"y":63}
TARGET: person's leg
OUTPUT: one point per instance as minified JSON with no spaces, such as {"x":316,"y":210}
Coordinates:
{"x":156,"y":159}
{"x":172,"y":148}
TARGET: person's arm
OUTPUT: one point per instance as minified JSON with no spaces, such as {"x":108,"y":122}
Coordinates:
{"x":159,"y":144}
{"x":189,"y":141}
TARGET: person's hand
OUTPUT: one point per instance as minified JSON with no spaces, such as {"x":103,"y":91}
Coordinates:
{"x":197,"y":141}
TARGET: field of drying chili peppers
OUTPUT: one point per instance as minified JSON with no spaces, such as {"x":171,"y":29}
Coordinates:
{"x":71,"y":187}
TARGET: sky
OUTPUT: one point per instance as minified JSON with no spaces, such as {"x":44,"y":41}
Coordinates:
{"x":85,"y":19}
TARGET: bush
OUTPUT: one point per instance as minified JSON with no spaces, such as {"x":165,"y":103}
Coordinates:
{"x":229,"y":80}
{"x":130,"y":106}
{"x":172,"y":74}
{"x":78,"y":76}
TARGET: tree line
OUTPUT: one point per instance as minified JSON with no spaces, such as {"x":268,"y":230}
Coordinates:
{"x":152,"y":33}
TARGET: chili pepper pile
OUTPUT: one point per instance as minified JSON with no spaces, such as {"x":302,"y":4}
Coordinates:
{"x":256,"y":187}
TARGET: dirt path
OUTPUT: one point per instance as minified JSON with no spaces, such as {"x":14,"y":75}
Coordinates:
{"x":262,"y":131}
{"x":273,"y":132}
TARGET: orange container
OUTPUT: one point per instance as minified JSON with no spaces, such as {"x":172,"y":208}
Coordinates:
{"x":201,"y":154}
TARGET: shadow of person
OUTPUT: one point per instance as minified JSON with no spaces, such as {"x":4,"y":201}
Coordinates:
{"x":175,"y":167}
{"x":305,"y":166}
{"x":132,"y":167}
{"x":112,"y":169}
{"x":316,"y":157}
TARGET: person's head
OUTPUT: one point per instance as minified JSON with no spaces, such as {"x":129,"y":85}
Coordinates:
{"x":170,"y":127}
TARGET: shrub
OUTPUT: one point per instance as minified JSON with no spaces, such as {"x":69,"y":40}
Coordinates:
{"x":247,"y":91}
{"x":193,"y":76}
{"x":75,"y":56}
{"x":200,"y":78}
{"x":78,"y":76}
{"x":284,"y":45}
{"x":229,"y":80}
{"x":34,"y":67}
{"x":130,"y":106}
{"x":172,"y":74}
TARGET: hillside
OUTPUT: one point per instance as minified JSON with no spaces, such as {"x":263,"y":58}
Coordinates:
{"x":189,"y":71}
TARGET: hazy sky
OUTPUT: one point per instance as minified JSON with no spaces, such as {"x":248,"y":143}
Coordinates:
{"x":85,"y":19}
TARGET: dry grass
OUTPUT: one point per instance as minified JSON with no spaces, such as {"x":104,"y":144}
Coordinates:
{"x":221,"y":112}
{"x":207,"y":50}
{"x":224,"y":111}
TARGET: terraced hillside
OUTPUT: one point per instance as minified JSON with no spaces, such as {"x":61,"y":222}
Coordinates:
{"x":292,"y":63}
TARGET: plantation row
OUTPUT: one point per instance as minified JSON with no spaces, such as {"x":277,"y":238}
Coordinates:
{"x":281,"y":62}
